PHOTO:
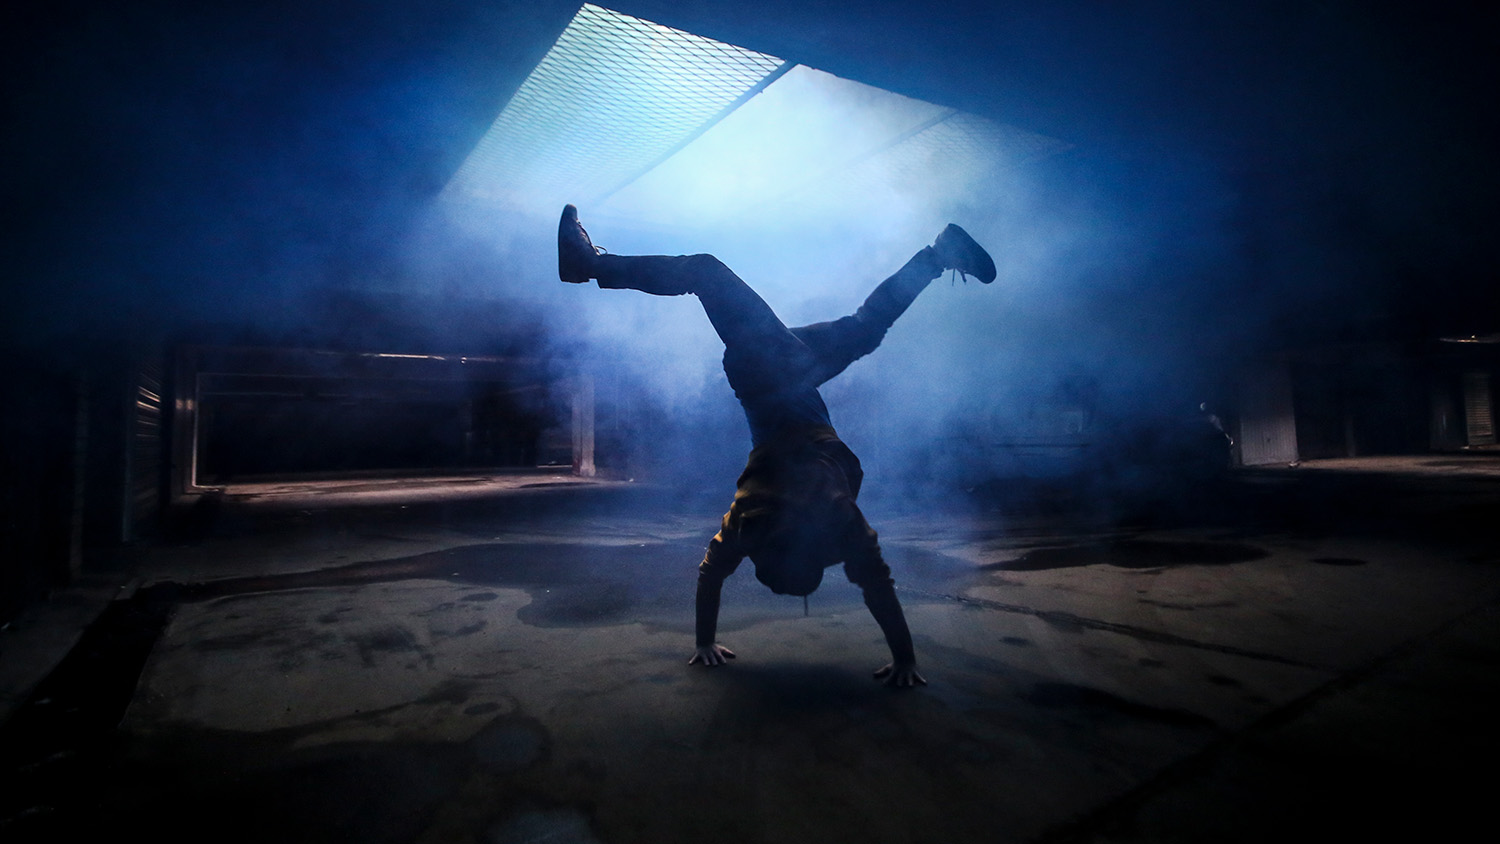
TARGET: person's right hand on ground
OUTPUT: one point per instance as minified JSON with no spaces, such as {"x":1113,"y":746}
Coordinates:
{"x":710,"y":655}
{"x":900,"y":675}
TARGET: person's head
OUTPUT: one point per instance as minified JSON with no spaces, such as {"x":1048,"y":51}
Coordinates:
{"x":791,"y":556}
{"x":793,"y":523}
{"x":788,"y":571}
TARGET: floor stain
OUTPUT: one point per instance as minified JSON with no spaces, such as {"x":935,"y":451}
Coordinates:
{"x":1177,"y":605}
{"x":384,"y":640}
{"x":564,"y":826}
{"x":571,"y":585}
{"x":509,"y":744}
{"x":1094,"y":702}
{"x":1339,"y":561}
{"x":578,"y":585}
{"x":1133,"y":554}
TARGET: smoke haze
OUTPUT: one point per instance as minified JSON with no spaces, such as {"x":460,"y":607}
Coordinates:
{"x":1232,"y":182}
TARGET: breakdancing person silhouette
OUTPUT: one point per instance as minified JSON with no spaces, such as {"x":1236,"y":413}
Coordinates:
{"x":794,"y":511}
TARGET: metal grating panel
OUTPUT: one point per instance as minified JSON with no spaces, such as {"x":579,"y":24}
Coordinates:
{"x":613,"y":95}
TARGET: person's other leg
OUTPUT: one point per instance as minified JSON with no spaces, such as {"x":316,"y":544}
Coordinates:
{"x":737,"y":312}
{"x":843,"y":341}
{"x":761,"y":357}
{"x":847,"y":339}
{"x":769,"y":370}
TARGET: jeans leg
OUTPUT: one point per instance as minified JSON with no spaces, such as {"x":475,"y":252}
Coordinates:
{"x":760,"y":354}
{"x":841,"y":342}
{"x":659,"y":275}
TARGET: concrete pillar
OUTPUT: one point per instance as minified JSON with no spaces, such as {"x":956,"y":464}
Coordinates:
{"x":583,"y":425}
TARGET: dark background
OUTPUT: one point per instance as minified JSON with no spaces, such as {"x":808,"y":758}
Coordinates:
{"x":1297,"y":177}
{"x":167,"y":162}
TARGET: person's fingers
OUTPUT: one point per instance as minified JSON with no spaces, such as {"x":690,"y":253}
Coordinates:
{"x":711,"y":656}
{"x":901,"y":679}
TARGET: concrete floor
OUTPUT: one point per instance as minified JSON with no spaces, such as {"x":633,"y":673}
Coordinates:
{"x":1306,"y":651}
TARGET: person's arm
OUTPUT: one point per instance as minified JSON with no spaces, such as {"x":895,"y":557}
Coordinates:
{"x":706,"y":650}
{"x":886,"y":608}
{"x":722,"y":558}
{"x":867,"y":570}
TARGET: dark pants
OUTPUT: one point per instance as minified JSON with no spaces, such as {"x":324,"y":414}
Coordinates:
{"x":775,"y":371}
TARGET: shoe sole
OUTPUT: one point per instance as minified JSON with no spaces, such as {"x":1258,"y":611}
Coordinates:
{"x":986,"y":271}
{"x":567,"y":270}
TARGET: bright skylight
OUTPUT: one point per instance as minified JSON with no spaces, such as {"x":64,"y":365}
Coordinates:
{"x":638,"y":122}
{"x":612,"y":96}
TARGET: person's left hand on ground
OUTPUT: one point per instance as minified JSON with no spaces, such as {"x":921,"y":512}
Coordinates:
{"x":711,"y":655}
{"x":900,"y":676}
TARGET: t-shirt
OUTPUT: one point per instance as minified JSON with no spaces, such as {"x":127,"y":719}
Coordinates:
{"x":795,"y":506}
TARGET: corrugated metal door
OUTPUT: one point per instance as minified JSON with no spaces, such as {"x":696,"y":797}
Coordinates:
{"x":143,"y":488}
{"x":1268,"y":427}
{"x":1479,"y":415}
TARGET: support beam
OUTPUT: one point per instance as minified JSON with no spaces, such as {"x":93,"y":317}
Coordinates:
{"x":583,"y":425}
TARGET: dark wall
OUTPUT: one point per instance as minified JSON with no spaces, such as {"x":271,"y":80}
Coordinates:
{"x":371,"y":427}
{"x":36,"y":462}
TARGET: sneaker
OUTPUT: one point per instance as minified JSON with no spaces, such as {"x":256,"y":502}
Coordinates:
{"x":959,"y":252}
{"x":575,"y":252}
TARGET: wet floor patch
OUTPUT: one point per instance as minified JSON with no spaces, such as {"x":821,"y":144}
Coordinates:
{"x":186,"y":783}
{"x":582,"y":604}
{"x":553,"y":826}
{"x":577,"y":585}
{"x":1093,"y":702}
{"x":1133,"y":554}
{"x":570,"y":584}
{"x":253,"y":788}
{"x":498,"y":564}
{"x":509,"y":744}
{"x":1339,"y":561}
{"x":55,"y":743}
{"x":1179,"y":605}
